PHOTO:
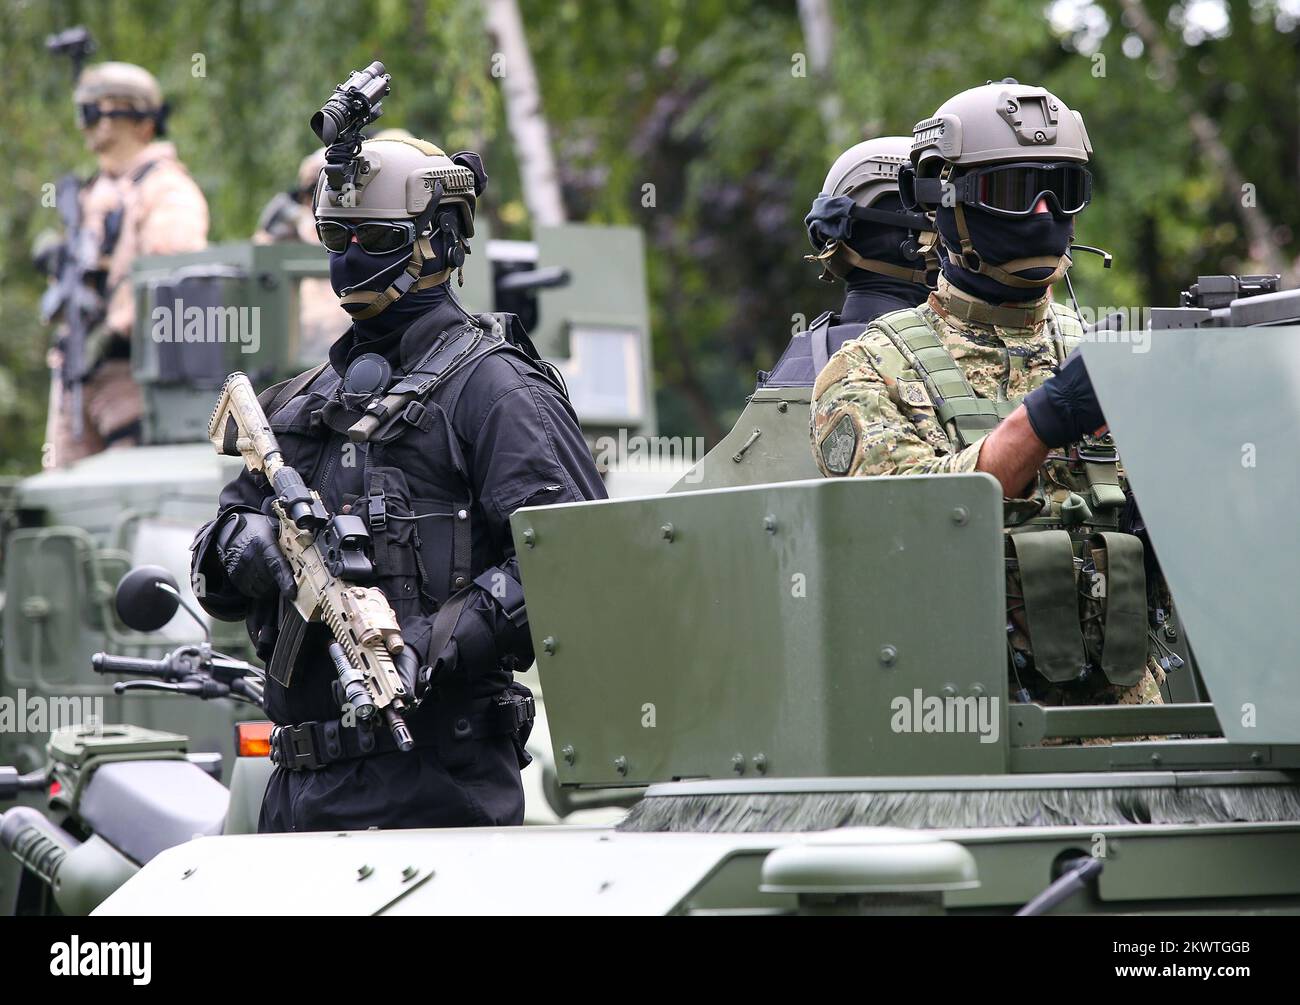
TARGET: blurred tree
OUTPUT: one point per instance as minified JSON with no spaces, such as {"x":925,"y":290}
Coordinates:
{"x":700,"y":121}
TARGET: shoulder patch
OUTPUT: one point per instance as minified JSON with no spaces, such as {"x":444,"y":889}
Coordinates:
{"x":912,"y":392}
{"x":839,"y":445}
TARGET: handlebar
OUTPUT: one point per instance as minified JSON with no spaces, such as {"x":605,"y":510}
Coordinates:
{"x":188,"y":669}
{"x":131,"y":665}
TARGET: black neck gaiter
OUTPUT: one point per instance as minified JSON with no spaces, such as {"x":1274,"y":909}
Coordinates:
{"x":1001,"y":239}
{"x":356,"y":270}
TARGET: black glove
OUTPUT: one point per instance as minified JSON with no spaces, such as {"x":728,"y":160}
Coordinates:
{"x":1065,"y":406}
{"x":418,"y":679}
{"x":251,"y":557}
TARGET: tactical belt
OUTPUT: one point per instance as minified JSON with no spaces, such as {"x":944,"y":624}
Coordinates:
{"x":310,"y":746}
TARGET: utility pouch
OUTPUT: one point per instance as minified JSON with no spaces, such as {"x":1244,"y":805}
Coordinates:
{"x":1050,"y":593}
{"x":1117,"y":608}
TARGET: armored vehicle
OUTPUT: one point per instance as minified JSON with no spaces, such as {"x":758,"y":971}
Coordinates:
{"x":68,"y":535}
{"x":812,"y":683}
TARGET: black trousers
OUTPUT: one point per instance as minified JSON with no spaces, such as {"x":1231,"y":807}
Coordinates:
{"x":394,"y":790}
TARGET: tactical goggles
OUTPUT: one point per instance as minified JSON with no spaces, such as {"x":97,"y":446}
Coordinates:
{"x":1007,"y":189}
{"x":89,"y":114}
{"x":376,"y":237}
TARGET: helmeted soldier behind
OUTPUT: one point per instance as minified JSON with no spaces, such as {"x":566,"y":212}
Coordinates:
{"x":969,"y":381}
{"x":141,"y":201}
{"x":862,"y":236}
{"x":490,"y":430}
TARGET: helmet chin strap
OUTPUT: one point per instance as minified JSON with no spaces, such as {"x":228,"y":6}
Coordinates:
{"x":970,"y":260}
{"x":839,"y":250}
{"x":373,"y":303}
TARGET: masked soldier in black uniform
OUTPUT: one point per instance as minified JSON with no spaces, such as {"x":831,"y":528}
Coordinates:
{"x":490,"y":430}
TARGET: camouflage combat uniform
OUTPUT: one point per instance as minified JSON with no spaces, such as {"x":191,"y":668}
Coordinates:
{"x":873,"y":413}
{"x":155,"y":209}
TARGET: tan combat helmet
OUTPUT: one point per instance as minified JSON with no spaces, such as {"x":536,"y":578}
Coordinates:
{"x":405,"y":179}
{"x":1004,"y":123}
{"x":124,"y":82}
{"x":866,"y":172}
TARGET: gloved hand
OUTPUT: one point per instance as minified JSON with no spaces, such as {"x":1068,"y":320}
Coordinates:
{"x":251,"y":557}
{"x":418,"y":679}
{"x":1065,"y":407}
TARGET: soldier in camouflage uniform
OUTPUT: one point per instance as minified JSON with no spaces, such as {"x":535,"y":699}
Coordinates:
{"x":140,"y":201}
{"x":981,"y":378}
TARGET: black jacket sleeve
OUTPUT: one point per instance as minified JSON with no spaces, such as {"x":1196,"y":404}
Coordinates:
{"x":523,"y":448}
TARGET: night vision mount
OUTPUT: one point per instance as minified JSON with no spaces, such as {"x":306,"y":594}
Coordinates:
{"x":355,"y":103}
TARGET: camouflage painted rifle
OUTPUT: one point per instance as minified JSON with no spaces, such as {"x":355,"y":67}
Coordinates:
{"x":328,"y":559}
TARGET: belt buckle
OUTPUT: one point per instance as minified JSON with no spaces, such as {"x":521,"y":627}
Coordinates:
{"x":295,"y":747}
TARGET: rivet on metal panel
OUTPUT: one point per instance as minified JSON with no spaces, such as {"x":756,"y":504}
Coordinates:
{"x":365,"y":872}
{"x":948,"y":691}
{"x":769,"y":523}
{"x":760,"y":763}
{"x":888,"y":656}
{"x":783,"y":406}
{"x":666,"y":532}
{"x":530,"y":537}
{"x":739,"y":455}
{"x":1256,"y":757}
{"x":409,"y":873}
{"x":960,"y":516}
{"x":1155,"y":759}
{"x":548,"y":645}
{"x":977,"y":690}
{"x":738,"y":763}
{"x":620,"y":764}
{"x":568,"y":753}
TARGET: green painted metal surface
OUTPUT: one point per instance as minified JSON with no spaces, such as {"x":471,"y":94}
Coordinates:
{"x":786,"y":627}
{"x":768,"y":443}
{"x":1206,"y":421}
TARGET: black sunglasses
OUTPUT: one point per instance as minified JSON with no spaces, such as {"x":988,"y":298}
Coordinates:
{"x":376,"y":237}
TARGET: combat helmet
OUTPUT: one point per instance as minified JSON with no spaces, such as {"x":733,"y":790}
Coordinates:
{"x":427,"y":195}
{"x":999,"y":148}
{"x":124,"y":82}
{"x":858,"y":180}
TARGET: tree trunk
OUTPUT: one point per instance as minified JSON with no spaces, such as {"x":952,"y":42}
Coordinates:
{"x":524,"y":117}
{"x":819,"y":36}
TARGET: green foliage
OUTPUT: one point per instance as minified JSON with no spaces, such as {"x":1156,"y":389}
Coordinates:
{"x":697,"y":98}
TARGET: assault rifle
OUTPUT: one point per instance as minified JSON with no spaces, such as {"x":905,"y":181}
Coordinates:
{"x":328,"y":559}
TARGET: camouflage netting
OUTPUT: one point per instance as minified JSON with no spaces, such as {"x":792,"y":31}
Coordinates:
{"x":816,"y":811}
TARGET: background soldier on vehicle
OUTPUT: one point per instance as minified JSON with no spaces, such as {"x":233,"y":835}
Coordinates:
{"x":940,"y":389}
{"x":140,"y":201}
{"x":488,"y":429}
{"x":862,"y":235}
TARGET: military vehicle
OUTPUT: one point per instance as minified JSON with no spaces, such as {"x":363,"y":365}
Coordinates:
{"x":812,"y":684}
{"x":68,"y":535}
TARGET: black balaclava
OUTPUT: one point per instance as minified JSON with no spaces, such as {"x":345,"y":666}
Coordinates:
{"x":355,"y":269}
{"x":869,"y":294}
{"x":999,"y":239}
